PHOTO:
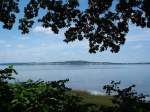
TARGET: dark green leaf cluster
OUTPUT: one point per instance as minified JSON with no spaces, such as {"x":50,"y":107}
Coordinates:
{"x":43,"y":96}
{"x":37,"y":96}
{"x":6,"y":91}
{"x":127,"y":99}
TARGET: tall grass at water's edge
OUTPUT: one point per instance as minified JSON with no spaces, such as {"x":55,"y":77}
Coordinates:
{"x":93,"y":99}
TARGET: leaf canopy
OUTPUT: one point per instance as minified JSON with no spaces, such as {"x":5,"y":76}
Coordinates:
{"x":104,"y":23}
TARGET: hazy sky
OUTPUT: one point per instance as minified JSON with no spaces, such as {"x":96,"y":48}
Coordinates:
{"x":42,"y":45}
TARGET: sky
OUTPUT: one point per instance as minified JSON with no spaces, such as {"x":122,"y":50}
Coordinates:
{"x":42,"y":45}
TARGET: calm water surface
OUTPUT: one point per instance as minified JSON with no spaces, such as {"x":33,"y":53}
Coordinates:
{"x":89,"y":77}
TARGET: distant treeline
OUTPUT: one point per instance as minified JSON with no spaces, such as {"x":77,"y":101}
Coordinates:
{"x":72,"y":63}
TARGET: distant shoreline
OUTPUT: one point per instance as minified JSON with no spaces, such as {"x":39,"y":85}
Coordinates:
{"x":72,"y":63}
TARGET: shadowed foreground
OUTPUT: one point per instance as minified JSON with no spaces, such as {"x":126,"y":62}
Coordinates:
{"x":41,"y":96}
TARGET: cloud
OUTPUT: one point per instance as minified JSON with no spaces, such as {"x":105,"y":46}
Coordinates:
{"x":40,"y":29}
{"x":138,"y":34}
{"x":137,"y":46}
{"x":24,"y":37}
{"x":20,"y":46}
{"x":2,"y":42}
{"x":138,"y":37}
{"x":7,"y":45}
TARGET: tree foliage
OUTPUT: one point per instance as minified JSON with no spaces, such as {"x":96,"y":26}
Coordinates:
{"x":6,"y":92}
{"x":104,"y":23}
{"x":35,"y":96}
{"x":41,"y":96}
{"x":127,"y":99}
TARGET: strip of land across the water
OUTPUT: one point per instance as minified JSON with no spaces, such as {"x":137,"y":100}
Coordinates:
{"x":71,"y":63}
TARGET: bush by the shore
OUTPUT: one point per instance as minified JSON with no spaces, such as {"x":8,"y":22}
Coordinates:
{"x":41,"y":96}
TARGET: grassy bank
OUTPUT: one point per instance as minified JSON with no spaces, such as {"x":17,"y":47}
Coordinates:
{"x":94,"y":99}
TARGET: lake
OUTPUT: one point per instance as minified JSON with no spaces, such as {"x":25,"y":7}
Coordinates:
{"x":89,"y":77}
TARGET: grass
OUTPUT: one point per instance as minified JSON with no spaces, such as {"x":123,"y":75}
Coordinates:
{"x":94,"y":99}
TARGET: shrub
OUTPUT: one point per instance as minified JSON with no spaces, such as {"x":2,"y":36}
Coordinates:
{"x":41,"y":96}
